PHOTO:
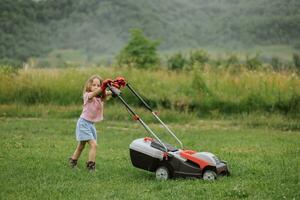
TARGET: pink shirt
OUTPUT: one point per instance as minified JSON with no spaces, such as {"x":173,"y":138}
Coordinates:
{"x":92,"y":108}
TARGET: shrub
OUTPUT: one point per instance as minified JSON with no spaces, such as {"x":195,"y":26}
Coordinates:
{"x":176,"y":61}
{"x":232,"y":60}
{"x":276,"y":64}
{"x":199,"y":57}
{"x":296,"y":45}
{"x":8,"y":70}
{"x":43,"y":63}
{"x":10,"y":62}
{"x":296,"y":59}
{"x":253,"y":63}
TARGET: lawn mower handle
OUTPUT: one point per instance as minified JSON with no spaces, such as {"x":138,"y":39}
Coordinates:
{"x":154,"y":113}
{"x":116,"y":93}
{"x":139,"y":97}
{"x":114,"y":87}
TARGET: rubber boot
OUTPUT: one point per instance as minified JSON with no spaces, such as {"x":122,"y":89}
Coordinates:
{"x":91,"y":166}
{"x":72,"y":163}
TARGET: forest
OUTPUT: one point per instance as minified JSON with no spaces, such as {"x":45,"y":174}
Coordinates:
{"x":92,"y":28}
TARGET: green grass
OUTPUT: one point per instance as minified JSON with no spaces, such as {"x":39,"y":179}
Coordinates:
{"x":199,"y":91}
{"x":264,"y":161}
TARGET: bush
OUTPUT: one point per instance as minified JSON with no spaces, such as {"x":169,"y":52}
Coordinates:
{"x":276,"y":64}
{"x":199,"y":57}
{"x":253,"y":63}
{"x":8,"y":70}
{"x":232,"y":63}
{"x":232,"y":60}
{"x":176,"y":61}
{"x":296,"y":59}
{"x":296,"y":45}
{"x":10,"y":62}
{"x":139,"y":52}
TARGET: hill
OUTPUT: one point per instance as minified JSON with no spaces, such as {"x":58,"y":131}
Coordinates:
{"x":35,"y":28}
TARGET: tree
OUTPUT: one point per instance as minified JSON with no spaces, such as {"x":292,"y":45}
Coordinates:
{"x":139,"y":52}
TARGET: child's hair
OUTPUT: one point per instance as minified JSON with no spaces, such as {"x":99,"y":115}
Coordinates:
{"x":89,"y":82}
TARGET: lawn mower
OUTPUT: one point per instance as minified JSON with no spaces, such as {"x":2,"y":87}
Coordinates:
{"x":167,"y":161}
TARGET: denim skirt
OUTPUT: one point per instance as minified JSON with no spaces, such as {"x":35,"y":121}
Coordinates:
{"x":85,"y":130}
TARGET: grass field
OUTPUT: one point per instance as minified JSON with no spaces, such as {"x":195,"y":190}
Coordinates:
{"x":202,"y":92}
{"x":264,"y":161}
{"x":249,"y":118}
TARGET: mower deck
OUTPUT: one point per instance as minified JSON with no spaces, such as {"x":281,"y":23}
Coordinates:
{"x":150,"y":155}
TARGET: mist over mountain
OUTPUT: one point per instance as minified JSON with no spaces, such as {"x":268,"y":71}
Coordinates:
{"x":35,"y":28}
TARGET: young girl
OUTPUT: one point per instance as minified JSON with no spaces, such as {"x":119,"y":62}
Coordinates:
{"x":92,"y":112}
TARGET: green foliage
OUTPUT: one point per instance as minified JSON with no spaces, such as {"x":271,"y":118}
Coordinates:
{"x":255,"y":157}
{"x":296,"y":59}
{"x":35,"y":28}
{"x":232,"y":60}
{"x":276,"y":64}
{"x":8,"y":70}
{"x":233,"y":64}
{"x":198,"y":57}
{"x":176,"y":62}
{"x":253,"y":63}
{"x":10,"y":62}
{"x":197,"y":91}
{"x":296,"y":45}
{"x":140,"y":51}
{"x":199,"y":86}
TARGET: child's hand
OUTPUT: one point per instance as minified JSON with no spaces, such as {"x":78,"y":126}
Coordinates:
{"x":107,"y":96}
{"x":119,"y":82}
{"x":105,"y":84}
{"x":108,"y":93}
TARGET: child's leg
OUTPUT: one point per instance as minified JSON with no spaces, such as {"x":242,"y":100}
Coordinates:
{"x":78,"y":150}
{"x":91,"y":164}
{"x":93,"y":149}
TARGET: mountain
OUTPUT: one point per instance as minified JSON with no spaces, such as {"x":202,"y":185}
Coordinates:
{"x":35,"y":28}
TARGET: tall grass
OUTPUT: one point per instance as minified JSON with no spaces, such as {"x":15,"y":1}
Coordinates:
{"x":201,"y":91}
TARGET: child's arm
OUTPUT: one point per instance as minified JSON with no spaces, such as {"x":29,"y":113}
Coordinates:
{"x":97,"y":92}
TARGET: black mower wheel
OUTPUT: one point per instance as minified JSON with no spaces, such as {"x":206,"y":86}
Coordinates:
{"x":209,"y":175}
{"x":162,"y":173}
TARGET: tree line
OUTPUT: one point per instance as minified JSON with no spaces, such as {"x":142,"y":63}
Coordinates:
{"x":35,"y":28}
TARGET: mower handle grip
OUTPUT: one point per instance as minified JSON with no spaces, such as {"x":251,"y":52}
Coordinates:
{"x":115,"y":91}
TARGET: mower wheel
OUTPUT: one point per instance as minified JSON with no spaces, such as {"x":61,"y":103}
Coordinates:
{"x":162,"y":173}
{"x":209,"y":175}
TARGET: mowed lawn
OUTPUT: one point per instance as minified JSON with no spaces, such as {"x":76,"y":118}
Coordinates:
{"x":33,"y":162}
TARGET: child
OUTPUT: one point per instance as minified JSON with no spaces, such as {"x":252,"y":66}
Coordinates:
{"x":92,"y":112}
